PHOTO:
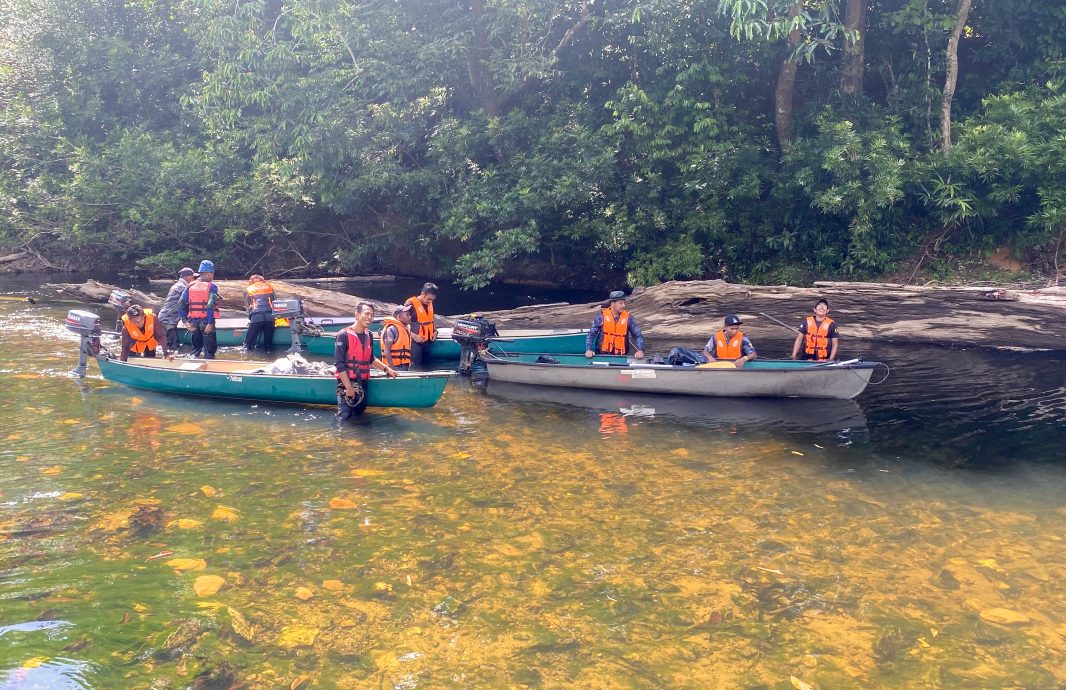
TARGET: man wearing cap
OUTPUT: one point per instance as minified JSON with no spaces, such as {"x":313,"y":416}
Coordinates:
{"x":818,"y":335}
{"x":425,"y":331}
{"x":199,"y":308}
{"x":396,"y":339}
{"x":613,"y":328}
{"x":259,"y":301}
{"x":141,"y":334}
{"x":170,"y":314}
{"x":730,"y":344}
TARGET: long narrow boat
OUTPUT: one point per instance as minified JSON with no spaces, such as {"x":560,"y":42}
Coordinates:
{"x":760,"y":378}
{"x":217,"y":378}
{"x":562,"y":341}
{"x":231,"y":331}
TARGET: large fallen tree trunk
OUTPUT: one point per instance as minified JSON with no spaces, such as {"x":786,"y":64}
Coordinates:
{"x":688,"y":312}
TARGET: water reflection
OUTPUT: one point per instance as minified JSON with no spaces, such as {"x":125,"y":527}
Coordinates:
{"x":512,"y":538}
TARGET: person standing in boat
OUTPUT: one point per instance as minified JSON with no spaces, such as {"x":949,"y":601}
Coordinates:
{"x":199,"y":308}
{"x":613,"y":328}
{"x":423,"y":336}
{"x":817,"y":336}
{"x":396,"y":339}
{"x":730,"y":344}
{"x":353,"y":357}
{"x":259,"y":302}
{"x":141,"y":334}
{"x":170,"y":314}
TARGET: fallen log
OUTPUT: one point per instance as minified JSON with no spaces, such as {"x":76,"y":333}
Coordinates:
{"x":689,"y":312}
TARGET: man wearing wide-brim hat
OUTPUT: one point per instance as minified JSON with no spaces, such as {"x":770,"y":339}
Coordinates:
{"x":613,"y":329}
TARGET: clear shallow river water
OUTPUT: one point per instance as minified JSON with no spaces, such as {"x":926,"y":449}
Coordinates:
{"x":509,"y":538}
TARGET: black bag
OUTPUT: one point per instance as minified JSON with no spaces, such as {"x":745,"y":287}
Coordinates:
{"x":683,"y":355}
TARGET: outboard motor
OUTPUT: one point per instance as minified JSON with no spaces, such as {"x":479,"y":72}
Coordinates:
{"x":121,"y":301}
{"x":87,"y":325}
{"x":473,"y":336}
{"x":293,"y":310}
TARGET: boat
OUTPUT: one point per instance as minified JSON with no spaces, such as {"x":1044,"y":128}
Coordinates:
{"x":781,"y":414}
{"x":445,"y":349}
{"x":231,"y":331}
{"x":760,"y":378}
{"x":244,"y":380}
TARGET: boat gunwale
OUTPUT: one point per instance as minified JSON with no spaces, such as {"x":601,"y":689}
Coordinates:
{"x":148,"y":365}
{"x":796,"y":367}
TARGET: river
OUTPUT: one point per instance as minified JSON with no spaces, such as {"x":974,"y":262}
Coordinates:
{"x":508,"y":538}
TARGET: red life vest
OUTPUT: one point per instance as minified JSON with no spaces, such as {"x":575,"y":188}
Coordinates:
{"x":615,"y":331}
{"x":730,"y":349}
{"x":401,"y":349}
{"x":260,"y":298}
{"x":360,"y":355}
{"x":424,"y":317}
{"x":142,"y":340}
{"x":199,"y":297}
{"x":816,"y":341}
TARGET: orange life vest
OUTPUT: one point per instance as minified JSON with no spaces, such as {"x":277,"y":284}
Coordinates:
{"x":615,"y":331}
{"x":401,"y":349}
{"x":730,"y":349}
{"x":424,"y":318}
{"x":260,"y":298}
{"x":199,"y":297}
{"x":360,"y":355}
{"x":142,"y":340}
{"x":816,"y":341}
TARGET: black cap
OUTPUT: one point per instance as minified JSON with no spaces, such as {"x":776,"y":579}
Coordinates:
{"x":616,"y":295}
{"x":732,"y":320}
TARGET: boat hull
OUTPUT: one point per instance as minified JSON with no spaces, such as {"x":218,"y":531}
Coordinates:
{"x":444,"y":349}
{"x":237,"y":380}
{"x":763,"y":378}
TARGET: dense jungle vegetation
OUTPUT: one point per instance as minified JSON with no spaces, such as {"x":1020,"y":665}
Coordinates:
{"x":573,"y":141}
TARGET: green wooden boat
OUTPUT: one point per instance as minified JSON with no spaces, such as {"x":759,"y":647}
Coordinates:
{"x":231,"y":331}
{"x":561,"y":341}
{"x":217,"y":378}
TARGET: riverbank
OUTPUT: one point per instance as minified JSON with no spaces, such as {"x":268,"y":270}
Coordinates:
{"x":687,"y":312}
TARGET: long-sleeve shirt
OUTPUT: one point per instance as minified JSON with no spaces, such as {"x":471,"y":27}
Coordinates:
{"x":170,"y":314}
{"x":592,"y":341}
{"x":210,"y":307}
{"x":127,"y":341}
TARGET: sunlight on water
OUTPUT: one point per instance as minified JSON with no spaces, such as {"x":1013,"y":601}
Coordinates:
{"x":508,"y":539}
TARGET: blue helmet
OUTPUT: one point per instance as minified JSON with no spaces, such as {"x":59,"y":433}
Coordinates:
{"x":206,"y":267}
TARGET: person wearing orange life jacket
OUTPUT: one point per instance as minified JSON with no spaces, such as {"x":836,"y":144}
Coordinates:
{"x":396,"y":339}
{"x":817,"y":338}
{"x":199,"y":308}
{"x":259,"y":302}
{"x":353,"y":357}
{"x":142,"y":333}
{"x":730,"y":344}
{"x":613,"y":328}
{"x":424,"y":330}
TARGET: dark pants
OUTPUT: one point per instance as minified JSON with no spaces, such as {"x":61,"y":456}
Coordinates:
{"x":173,"y":339}
{"x":202,"y":343}
{"x":254,"y":329}
{"x":420,"y":356}
{"x":346,"y":411}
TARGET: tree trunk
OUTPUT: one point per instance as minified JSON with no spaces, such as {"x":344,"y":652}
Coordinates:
{"x":962,"y":13}
{"x":854,"y":51}
{"x":477,"y":61}
{"x":786,"y":85}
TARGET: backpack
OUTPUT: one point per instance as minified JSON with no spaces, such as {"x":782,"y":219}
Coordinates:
{"x":683,"y":355}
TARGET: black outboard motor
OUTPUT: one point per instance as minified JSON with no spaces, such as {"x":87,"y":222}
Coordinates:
{"x":87,"y":325}
{"x":472,"y":334}
{"x":293,"y":310}
{"x":121,"y":301}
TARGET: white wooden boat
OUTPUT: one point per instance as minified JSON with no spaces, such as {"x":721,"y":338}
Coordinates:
{"x":760,"y":378}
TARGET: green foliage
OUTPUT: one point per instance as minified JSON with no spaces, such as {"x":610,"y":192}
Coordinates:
{"x":576,"y":141}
